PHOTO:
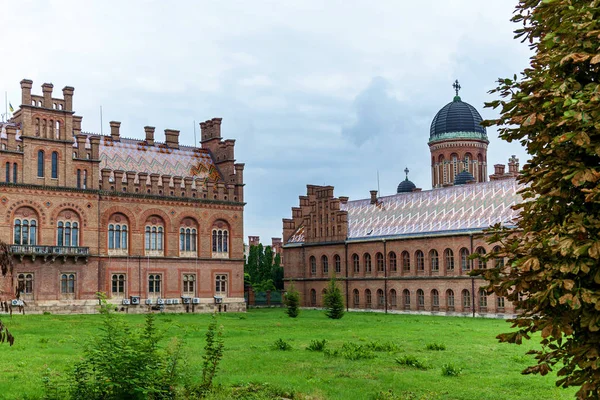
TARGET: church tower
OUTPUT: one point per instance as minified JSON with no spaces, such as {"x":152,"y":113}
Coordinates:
{"x":458,"y":144}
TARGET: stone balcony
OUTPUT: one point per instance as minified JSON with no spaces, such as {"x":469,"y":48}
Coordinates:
{"x":49,"y":252}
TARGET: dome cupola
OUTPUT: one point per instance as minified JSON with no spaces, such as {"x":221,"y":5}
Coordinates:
{"x":406,"y":186}
{"x":463,"y":178}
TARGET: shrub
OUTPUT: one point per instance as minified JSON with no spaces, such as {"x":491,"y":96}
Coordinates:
{"x":317,"y":345}
{"x":281,"y":344}
{"x":407,"y":395}
{"x":292,"y":302}
{"x":351,"y":351}
{"x":411,"y":361}
{"x":333,"y":301}
{"x":213,"y":352}
{"x":382,"y":346}
{"x":436,"y":346}
{"x":451,"y":370}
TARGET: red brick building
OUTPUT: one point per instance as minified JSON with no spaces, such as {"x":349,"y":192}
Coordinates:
{"x":409,"y":251}
{"x":147,"y":222}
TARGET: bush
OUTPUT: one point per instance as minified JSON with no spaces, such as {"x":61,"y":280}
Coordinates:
{"x":281,"y":344}
{"x":436,"y":346}
{"x":351,"y":351}
{"x":382,"y":346}
{"x":411,"y":361}
{"x":451,"y":370}
{"x":317,"y":345}
{"x":333,"y":301}
{"x":390,"y":395}
{"x":292,"y":302}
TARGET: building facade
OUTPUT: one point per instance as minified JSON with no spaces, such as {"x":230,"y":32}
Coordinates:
{"x":152,"y":224}
{"x":409,"y":251}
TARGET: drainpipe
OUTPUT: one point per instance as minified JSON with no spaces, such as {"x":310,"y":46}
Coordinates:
{"x":346,"y":262}
{"x":472,"y":278}
{"x":385,"y":291}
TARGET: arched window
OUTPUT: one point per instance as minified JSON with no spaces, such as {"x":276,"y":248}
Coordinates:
{"x":188,"y":237}
{"x":434,"y":259}
{"x":466,"y":299}
{"x":220,"y":239}
{"x":450,"y":299}
{"x":500,"y":303}
{"x":435,"y":298}
{"x":449,"y":258}
{"x":406,"y":298}
{"x":356,"y":298}
{"x":78,"y":179}
{"x":338,"y":264}
{"x":498,"y":261}
{"x":118,"y":284}
{"x":154,"y":236}
{"x":393,"y":300}
{"x":405,"y":261}
{"x":67,"y":283}
{"x":465,"y":263}
{"x":15,"y":172}
{"x":313,"y":297}
{"x":368,"y":300}
{"x":481,"y":264}
{"x":420,"y":260}
{"x":379,"y":258}
{"x":356,"y":263}
{"x":154,"y":284}
{"x":67,"y":234}
{"x":7,"y":180}
{"x":189,"y":281}
{"x":367,"y":260}
{"x":482,"y":299}
{"x":380,"y":299}
{"x":325,"y":265}
{"x":221,"y":285}
{"x":421,"y":298}
{"x":25,"y":283}
{"x":313,"y":265}
{"x":40,"y":164}
{"x":54,"y":165}
{"x":393,"y":262}
{"x":117,"y":236}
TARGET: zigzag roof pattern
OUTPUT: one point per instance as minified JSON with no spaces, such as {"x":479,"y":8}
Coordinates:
{"x":459,"y":208}
{"x":137,"y":156}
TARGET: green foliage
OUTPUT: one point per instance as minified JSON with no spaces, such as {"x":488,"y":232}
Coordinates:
{"x":292,"y":302}
{"x":6,"y":266}
{"x":263,"y":269}
{"x":436,"y":346}
{"x":382,"y":346}
{"x":333,"y":301}
{"x":213,"y":353}
{"x":406,"y":395}
{"x":250,"y":391}
{"x":553,"y":252}
{"x":281,"y":344}
{"x":411,"y":361}
{"x":317,"y":345}
{"x":451,"y":370}
{"x":125,"y":363}
{"x":352,"y":351}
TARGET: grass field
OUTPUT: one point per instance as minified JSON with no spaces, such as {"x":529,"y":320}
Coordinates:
{"x":490,"y":370}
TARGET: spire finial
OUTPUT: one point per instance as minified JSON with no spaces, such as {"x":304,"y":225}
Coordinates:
{"x":406,"y":171}
{"x":456,"y":86}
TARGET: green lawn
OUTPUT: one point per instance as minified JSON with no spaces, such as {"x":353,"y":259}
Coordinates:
{"x":490,"y":370}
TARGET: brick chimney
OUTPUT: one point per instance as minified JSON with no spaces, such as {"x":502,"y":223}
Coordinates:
{"x":513,"y":165}
{"x":26,"y":85}
{"x":498,"y":169}
{"x":68,"y":96}
{"x":149,"y":135}
{"x":47,"y":91}
{"x":373,"y":196}
{"x":114,"y":130}
{"x":172,"y":138}
{"x":253,"y":240}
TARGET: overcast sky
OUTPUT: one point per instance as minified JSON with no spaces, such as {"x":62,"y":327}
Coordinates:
{"x":314,"y":92}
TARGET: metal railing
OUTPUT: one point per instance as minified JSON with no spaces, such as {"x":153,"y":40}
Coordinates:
{"x":32,"y":249}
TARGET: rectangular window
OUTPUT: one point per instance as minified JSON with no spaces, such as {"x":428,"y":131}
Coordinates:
{"x":154,"y":284}
{"x":7,"y":173}
{"x":189,"y":281}
{"x":118,"y":284}
{"x":67,"y":283}
{"x":221,"y":285}
{"x":15,"y":173}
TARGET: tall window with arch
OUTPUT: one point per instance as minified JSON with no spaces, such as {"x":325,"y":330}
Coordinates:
{"x":405,"y":261}
{"x":154,"y":236}
{"x":7,"y":179}
{"x":465,"y":263}
{"x":25,"y":226}
{"x":380,"y":299}
{"x":188,"y":238}
{"x":420,"y":299}
{"x":325,"y":265}
{"x":356,"y":298}
{"x":189,"y":284}
{"x":481,"y":264}
{"x":67,"y":284}
{"x":313,"y":297}
{"x":154,"y":283}
{"x":367,"y":261}
{"x":379,"y":260}
{"x":356,"y":263}
{"x":449,"y":259}
{"x":40,"y":163}
{"x":498,"y":260}
{"x":313,"y":265}
{"x":25,"y":284}
{"x":54,"y":169}
{"x":466,"y":299}
{"x":368,"y":299}
{"x":434,"y":260}
{"x":221,"y":285}
{"x":393,"y":300}
{"x":450,"y":299}
{"x":67,"y":229}
{"x":118,"y":235}
{"x":118,"y":285}
{"x":482,"y":300}
{"x":78,"y":174}
{"x":220,"y":239}
{"x":420,"y":260}
{"x":15,"y":172}
{"x":393,"y":261}
{"x":338,"y":264}
{"x":435,"y":299}
{"x":406,"y":299}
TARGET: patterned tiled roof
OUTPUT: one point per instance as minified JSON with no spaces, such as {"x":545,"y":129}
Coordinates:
{"x":135,"y":155}
{"x":459,"y":208}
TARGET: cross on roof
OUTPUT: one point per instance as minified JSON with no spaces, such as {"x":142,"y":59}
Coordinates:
{"x":456,"y":86}
{"x":406,"y":171}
